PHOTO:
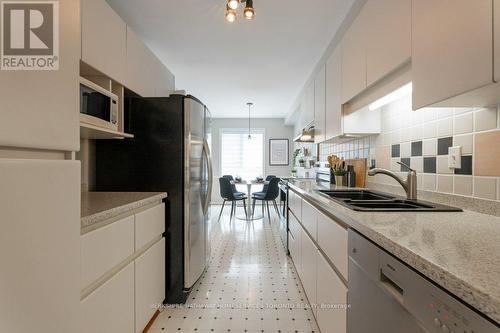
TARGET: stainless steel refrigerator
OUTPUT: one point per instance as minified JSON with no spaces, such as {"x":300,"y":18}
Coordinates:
{"x":169,"y":152}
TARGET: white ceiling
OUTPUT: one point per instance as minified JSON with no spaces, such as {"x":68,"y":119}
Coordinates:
{"x":266,"y":61}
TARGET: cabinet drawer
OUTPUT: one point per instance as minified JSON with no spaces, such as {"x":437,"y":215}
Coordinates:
{"x":365,"y":254}
{"x":148,"y":225}
{"x":295,"y":204}
{"x":149,"y":283}
{"x":308,"y":274}
{"x":110,"y":308}
{"x":104,"y":248}
{"x":294,"y":226}
{"x":330,"y":292}
{"x":294,"y":247}
{"x":309,"y":219}
{"x":332,"y":239}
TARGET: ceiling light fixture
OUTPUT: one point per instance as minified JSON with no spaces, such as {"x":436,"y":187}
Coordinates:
{"x":249,"y":12}
{"x":230,"y":14}
{"x":232,"y":5}
{"x":250,"y":104}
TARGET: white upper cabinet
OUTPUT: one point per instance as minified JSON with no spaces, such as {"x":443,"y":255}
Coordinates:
{"x":452,"y":48}
{"x":39,"y":108}
{"x":307,"y":106}
{"x":141,"y":62}
{"x":388,"y":42}
{"x":320,"y":105}
{"x":354,"y":58}
{"x":165,"y":81}
{"x":104,"y":39}
{"x":333,"y":110}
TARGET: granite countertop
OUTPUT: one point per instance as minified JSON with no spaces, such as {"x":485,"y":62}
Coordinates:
{"x":458,"y":250}
{"x":99,"y":206}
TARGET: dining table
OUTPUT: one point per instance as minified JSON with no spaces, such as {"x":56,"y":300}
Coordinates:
{"x":249,"y":184}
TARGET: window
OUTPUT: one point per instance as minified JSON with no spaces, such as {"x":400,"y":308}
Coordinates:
{"x":241,"y":156}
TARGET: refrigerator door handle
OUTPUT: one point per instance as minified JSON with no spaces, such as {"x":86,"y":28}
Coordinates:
{"x":206,"y":151}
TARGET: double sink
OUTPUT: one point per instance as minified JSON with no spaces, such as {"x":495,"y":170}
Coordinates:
{"x":365,"y":200}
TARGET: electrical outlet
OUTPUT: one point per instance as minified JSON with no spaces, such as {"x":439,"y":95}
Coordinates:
{"x":455,"y":157}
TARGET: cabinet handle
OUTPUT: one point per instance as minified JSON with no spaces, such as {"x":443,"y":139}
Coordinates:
{"x":354,"y":250}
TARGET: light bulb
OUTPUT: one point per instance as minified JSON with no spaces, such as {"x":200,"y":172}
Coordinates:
{"x":233,"y":4}
{"x":249,"y":12}
{"x":230,"y":15}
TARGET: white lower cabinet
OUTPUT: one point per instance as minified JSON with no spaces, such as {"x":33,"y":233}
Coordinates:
{"x":331,"y":292}
{"x":110,"y":308}
{"x":309,"y":268}
{"x":149,"y":283}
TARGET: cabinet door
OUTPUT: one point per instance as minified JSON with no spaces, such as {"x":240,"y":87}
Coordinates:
{"x":110,"y":308}
{"x":452,"y":48}
{"x":309,"y":219}
{"x":39,"y":246}
{"x":40,"y":108}
{"x":165,"y":81}
{"x":333,"y":119}
{"x":149,"y":283}
{"x":295,"y":204}
{"x":308,"y":274}
{"x":295,"y":231}
{"x":319,"y":105}
{"x":354,"y":58}
{"x":496,"y":41}
{"x":331,"y":291}
{"x":104,"y":39}
{"x":388,"y":44}
{"x":140,"y":66}
{"x":332,"y":239}
{"x":149,"y":224}
{"x":307,"y":106}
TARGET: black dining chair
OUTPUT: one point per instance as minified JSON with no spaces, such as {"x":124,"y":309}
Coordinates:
{"x":233,"y":186}
{"x":271,"y":194}
{"x":264,"y":188}
{"x":226,"y":192}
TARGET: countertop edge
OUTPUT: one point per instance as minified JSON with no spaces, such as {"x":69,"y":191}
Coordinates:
{"x":90,"y":220}
{"x":476,"y":298}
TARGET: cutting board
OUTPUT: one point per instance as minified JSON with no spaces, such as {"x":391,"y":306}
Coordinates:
{"x":360,"y":170}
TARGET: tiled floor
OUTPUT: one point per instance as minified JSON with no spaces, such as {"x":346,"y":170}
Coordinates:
{"x":250,"y":285}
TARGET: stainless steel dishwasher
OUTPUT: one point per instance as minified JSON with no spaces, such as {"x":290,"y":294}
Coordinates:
{"x":386,"y":296}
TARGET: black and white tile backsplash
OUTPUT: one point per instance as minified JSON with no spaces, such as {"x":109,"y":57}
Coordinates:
{"x":421,"y":139}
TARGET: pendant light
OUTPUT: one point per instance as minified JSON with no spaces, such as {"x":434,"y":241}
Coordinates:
{"x":249,"y":132}
{"x":233,"y":4}
{"x":230,"y":14}
{"x":249,"y":11}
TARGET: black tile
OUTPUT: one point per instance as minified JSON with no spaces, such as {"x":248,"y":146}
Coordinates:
{"x":429,"y":165}
{"x":395,"y":150}
{"x":466,"y":167}
{"x":444,"y":144}
{"x":406,"y":161}
{"x":416,"y":148}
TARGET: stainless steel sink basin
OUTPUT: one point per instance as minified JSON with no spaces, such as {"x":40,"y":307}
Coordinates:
{"x":357,"y":195}
{"x":371,"y":201}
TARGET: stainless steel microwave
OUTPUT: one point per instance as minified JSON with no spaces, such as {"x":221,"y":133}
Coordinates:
{"x":98,"y":106}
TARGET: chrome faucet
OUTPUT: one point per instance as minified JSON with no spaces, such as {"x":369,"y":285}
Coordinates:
{"x":410,"y":185}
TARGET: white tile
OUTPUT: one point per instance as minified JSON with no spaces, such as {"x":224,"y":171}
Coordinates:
{"x":417,"y":117}
{"x":394,"y":164}
{"x":445,"y":127}
{"x":429,"y":183}
{"x":396,"y":137}
{"x":465,"y":141}
{"x":429,"y":114}
{"x":405,"y":150}
{"x":442,"y":165}
{"x":429,"y":147}
{"x":463,"y":123}
{"x":445,"y":183}
{"x":430,"y":130}
{"x":417,"y":164}
{"x":485,"y":187}
{"x":417,"y":132}
{"x":405,"y":135}
{"x":485,"y":119}
{"x":462,"y":185}
{"x":461,"y":110}
{"x":444,"y":112}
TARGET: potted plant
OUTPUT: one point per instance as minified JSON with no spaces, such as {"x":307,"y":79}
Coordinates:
{"x":339,"y":176}
{"x":302,"y":162}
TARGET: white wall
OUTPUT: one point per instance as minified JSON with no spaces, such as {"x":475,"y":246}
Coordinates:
{"x":274,"y":129}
